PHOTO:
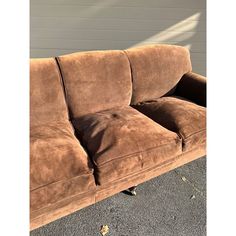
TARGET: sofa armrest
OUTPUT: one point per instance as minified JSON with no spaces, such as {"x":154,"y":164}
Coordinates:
{"x":193,"y":87}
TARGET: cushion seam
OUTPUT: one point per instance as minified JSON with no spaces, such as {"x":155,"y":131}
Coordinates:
{"x":62,"y":180}
{"x":129,"y":155}
{"x":63,"y":87}
{"x":131,"y":77}
{"x":61,"y":71}
{"x":171,"y":161}
{"x":199,"y":131}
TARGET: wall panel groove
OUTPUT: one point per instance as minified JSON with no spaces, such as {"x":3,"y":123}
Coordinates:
{"x":64,"y":26}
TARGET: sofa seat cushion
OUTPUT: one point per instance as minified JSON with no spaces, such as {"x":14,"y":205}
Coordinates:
{"x":59,"y":166}
{"x":122,"y":141}
{"x":177,"y":114}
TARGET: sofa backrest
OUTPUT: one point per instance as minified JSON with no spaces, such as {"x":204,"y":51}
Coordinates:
{"x":47,"y":101}
{"x":156,"y":69}
{"x":96,"y":81}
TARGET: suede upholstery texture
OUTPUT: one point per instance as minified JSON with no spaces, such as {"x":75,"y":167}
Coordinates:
{"x":156,"y":70}
{"x":74,"y":203}
{"x":121,"y":141}
{"x":96,"y":81}
{"x":183,"y":117}
{"x":47,"y":103}
{"x":110,"y":145}
{"x":53,"y":146}
{"x":59,"y":166}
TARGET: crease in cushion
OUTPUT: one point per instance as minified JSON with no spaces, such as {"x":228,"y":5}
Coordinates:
{"x":121,"y":141}
{"x":179,"y":115}
{"x":156,"y":70}
{"x":96,"y":80}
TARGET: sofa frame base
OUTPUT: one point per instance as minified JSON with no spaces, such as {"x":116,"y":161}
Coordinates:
{"x":67,"y":206}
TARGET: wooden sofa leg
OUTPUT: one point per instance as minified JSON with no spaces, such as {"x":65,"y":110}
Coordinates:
{"x":132,"y":190}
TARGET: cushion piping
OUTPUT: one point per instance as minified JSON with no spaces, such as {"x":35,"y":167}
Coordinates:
{"x":199,"y":131}
{"x":128,"y":155}
{"x":62,"y":180}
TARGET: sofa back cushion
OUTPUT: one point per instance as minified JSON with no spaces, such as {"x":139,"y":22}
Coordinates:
{"x":156,"y":69}
{"x":96,"y":81}
{"x":47,"y":102}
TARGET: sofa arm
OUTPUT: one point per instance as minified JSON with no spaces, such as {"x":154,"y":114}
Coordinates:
{"x":193,"y":87}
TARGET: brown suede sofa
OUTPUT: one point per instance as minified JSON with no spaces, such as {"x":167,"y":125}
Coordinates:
{"x":104,"y":121}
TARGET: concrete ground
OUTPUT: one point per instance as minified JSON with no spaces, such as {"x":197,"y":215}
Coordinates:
{"x":173,"y":204}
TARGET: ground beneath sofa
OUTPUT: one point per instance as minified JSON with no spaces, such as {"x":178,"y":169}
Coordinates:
{"x":173,"y":204}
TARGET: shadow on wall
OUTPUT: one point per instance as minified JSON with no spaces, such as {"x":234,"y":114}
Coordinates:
{"x":64,"y":26}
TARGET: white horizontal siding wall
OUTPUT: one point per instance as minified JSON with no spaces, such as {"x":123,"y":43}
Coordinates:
{"x":64,"y":26}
